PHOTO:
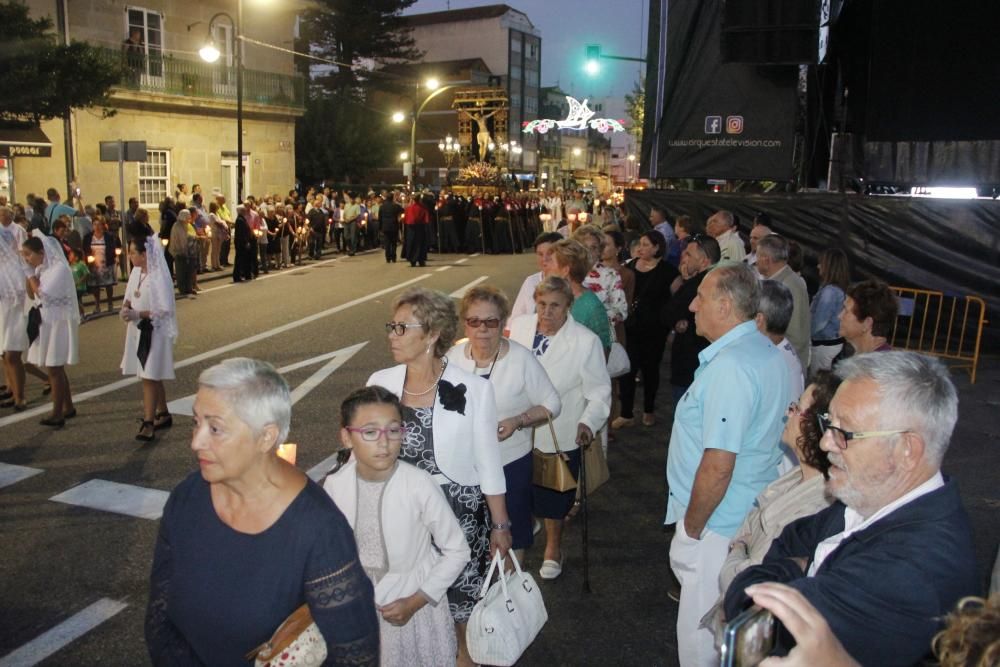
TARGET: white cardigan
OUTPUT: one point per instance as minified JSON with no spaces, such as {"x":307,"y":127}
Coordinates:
{"x":465,"y":446}
{"x":413,"y":511}
{"x":575,"y":364}
{"x":519,"y":382}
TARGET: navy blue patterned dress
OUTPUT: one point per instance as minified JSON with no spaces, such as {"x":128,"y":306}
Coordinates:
{"x":467,"y":502}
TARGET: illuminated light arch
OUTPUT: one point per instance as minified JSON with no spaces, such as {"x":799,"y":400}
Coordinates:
{"x":580,"y":117}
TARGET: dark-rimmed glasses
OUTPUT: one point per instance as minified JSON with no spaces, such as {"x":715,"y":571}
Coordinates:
{"x":475,"y":322}
{"x":399,"y":328}
{"x":842,"y":437}
{"x":373,"y":433}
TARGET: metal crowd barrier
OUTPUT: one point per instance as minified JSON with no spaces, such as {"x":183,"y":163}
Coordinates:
{"x":948,"y":326}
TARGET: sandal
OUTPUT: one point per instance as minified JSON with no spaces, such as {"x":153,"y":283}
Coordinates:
{"x":163,"y":420}
{"x":145,"y":433}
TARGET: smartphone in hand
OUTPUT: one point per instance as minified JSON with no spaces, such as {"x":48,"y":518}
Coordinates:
{"x":748,"y":638}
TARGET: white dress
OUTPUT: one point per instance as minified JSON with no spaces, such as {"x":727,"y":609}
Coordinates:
{"x":58,"y":342}
{"x":160,"y":363}
{"x":13,"y":326}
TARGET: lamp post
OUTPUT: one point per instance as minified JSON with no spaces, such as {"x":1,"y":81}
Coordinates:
{"x":210,"y":53}
{"x":450,"y":148}
{"x":631,"y":170}
{"x":436,"y":89}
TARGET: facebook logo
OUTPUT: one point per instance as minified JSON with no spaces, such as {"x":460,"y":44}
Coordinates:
{"x":713,"y":124}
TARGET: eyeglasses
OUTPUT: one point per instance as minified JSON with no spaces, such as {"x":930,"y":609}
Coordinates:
{"x":842,"y":437}
{"x":475,"y":322}
{"x":373,"y":433}
{"x":399,"y":328}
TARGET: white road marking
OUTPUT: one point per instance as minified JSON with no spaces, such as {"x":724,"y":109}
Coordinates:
{"x":443,"y":268}
{"x":216,"y":352}
{"x":335,"y":359}
{"x":12,"y":474}
{"x":460,"y":292}
{"x":317,"y":471}
{"x":127,"y":499}
{"x":466,"y":259}
{"x":276,"y":274}
{"x":74,"y":627}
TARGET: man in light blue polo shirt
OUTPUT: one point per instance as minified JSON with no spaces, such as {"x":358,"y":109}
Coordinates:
{"x":723,"y":447}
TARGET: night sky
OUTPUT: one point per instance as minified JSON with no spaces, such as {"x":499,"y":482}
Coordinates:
{"x":567,"y":26}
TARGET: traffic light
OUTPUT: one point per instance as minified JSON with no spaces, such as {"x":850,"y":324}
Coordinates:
{"x":593,"y":65}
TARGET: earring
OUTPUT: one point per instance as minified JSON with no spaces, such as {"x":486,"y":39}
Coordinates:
{"x":428,"y":349}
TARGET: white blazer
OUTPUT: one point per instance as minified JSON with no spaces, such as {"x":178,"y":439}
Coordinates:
{"x":413,"y":511}
{"x":575,"y":364}
{"x":465,"y":446}
{"x":519,"y":383}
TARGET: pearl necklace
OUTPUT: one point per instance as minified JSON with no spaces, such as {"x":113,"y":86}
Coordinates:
{"x":444,"y":365}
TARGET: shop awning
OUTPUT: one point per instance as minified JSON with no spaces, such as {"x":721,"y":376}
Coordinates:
{"x":24,"y":141}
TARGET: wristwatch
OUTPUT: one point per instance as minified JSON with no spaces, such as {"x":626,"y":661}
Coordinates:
{"x":501,"y":526}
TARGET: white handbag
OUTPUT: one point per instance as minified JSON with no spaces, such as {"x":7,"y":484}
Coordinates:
{"x":507,"y":618}
{"x":618,"y":363}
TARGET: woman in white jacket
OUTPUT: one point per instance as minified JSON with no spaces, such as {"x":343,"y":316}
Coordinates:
{"x":396,"y":510}
{"x":451,"y":421}
{"x":573,"y":357}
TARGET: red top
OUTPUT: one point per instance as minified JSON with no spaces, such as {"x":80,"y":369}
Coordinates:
{"x":416,"y":214}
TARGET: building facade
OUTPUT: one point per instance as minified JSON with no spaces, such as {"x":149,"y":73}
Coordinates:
{"x":511,"y":48}
{"x":182,"y":107}
{"x":572,"y":159}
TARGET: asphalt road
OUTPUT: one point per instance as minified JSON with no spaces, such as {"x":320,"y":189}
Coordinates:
{"x":67,"y":570}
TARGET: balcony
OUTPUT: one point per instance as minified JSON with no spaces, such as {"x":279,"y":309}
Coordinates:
{"x":214,"y":82}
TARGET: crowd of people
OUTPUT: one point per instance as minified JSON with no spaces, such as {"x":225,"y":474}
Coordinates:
{"x":804,"y":460}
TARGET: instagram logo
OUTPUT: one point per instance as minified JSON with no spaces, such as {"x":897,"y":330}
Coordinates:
{"x":734,"y":124}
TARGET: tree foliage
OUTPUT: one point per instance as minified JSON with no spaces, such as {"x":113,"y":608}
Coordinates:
{"x":40,"y":78}
{"x":342,"y":136}
{"x":340,"y":139}
{"x":635,"y":104}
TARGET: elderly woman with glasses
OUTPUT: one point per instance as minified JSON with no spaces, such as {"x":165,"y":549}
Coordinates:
{"x":525,"y":396}
{"x":573,"y":358}
{"x":451,"y":432}
{"x":249,"y":539}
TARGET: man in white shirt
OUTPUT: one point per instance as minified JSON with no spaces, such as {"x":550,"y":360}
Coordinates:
{"x":525,"y":302}
{"x":757,"y":232}
{"x":772,"y":264}
{"x":886,"y":563}
{"x":722,"y":227}
{"x":773,"y":313}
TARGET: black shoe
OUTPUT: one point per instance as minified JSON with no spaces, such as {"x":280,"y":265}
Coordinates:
{"x":9,"y":403}
{"x":51,"y":421}
{"x":70,"y":414}
{"x":47,"y":389}
{"x":6,"y":394}
{"x":21,"y":408}
{"x":145,"y":433}
{"x":163,"y":420}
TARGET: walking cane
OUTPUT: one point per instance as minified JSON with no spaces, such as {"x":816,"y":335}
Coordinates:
{"x":583,"y":513}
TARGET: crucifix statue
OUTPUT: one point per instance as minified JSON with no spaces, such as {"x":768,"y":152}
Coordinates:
{"x":483,"y":136}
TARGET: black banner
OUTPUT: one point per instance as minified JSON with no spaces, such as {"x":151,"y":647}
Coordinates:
{"x":949,"y":245}
{"x":704,"y":119}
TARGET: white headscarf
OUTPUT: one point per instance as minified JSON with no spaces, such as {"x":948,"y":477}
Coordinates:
{"x":162,"y":307}
{"x":57,"y":290}
{"x":13,"y":269}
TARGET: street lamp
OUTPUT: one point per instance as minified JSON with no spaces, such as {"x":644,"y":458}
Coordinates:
{"x":210,"y":53}
{"x":631,"y":170}
{"x":436,"y":89}
{"x":450,"y":148}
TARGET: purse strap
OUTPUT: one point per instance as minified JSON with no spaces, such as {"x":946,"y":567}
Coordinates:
{"x":552,"y":430}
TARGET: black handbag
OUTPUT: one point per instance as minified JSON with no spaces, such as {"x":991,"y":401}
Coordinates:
{"x":145,"y":326}
{"x":34,"y":323}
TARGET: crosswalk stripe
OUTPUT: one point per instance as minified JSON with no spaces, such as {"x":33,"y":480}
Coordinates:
{"x":50,"y":641}
{"x":12,"y":474}
{"x":107,"y":496}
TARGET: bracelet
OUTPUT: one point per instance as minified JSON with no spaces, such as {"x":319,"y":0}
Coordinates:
{"x":501,"y":526}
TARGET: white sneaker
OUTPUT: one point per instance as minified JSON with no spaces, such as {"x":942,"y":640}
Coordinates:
{"x":551,"y":569}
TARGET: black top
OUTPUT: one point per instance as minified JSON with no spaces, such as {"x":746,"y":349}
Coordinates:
{"x":216,"y":593}
{"x":241,"y":233}
{"x":388,"y":217}
{"x":686,"y":346}
{"x":652,"y":295}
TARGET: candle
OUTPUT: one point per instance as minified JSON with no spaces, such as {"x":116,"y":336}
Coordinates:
{"x":118,"y":251}
{"x":165,"y":242}
{"x":287,"y":452}
{"x":90,"y":259}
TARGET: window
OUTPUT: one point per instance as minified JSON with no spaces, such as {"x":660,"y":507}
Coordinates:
{"x":515,"y":42}
{"x":515,"y":72}
{"x":154,"y":177}
{"x":530,"y":104}
{"x":533,"y":49}
{"x":531,"y":78}
{"x":149,"y":25}
{"x":515,"y":101}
